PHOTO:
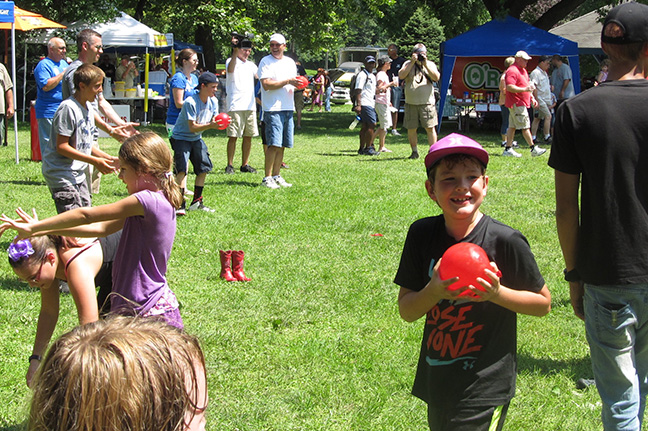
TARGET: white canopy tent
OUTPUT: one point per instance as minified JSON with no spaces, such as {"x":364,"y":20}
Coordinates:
{"x":125,"y":33}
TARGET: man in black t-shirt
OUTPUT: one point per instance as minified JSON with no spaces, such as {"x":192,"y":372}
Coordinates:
{"x":601,"y":150}
{"x":467,"y":362}
{"x":397,"y":90}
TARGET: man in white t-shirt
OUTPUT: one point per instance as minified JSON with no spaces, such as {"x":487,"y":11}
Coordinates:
{"x":365,"y":89}
{"x":542,"y":93}
{"x":241,"y":105}
{"x":278,"y":76}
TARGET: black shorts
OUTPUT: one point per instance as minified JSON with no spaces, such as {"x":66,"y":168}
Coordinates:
{"x":196,"y":151}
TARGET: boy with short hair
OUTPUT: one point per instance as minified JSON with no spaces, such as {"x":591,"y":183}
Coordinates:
{"x":467,"y":364}
{"x":70,"y":150}
{"x":197,"y":115}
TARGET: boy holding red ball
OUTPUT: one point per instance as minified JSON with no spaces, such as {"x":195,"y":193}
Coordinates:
{"x":199,"y":113}
{"x":467,"y":364}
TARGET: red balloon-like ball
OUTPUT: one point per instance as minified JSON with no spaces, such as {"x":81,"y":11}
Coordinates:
{"x":223,"y":120}
{"x":466,"y":261}
{"x":303,"y":82}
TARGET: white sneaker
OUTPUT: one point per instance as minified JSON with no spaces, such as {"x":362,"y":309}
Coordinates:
{"x":199,"y":206}
{"x":537,"y":151}
{"x":510,"y":152}
{"x":281,"y":182}
{"x":269,"y":183}
{"x":395,"y":132}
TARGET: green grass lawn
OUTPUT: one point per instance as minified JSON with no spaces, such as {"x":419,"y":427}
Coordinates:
{"x":314,"y":341}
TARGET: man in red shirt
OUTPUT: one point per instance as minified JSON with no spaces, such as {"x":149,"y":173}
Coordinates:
{"x":519,"y":98}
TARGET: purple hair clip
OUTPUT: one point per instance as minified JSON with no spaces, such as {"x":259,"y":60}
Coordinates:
{"x":20,"y":249}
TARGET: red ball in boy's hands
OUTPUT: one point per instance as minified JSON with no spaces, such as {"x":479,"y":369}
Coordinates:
{"x":303,"y":82}
{"x":222,"y":120}
{"x":466,"y":261}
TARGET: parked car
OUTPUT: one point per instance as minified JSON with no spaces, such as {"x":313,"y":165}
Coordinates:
{"x":341,"y":92}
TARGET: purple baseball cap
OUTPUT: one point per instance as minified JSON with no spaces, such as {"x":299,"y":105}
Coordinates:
{"x":455,"y":143}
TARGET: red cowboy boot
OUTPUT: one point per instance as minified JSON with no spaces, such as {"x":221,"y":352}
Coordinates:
{"x":237,"y":265}
{"x":226,"y":265}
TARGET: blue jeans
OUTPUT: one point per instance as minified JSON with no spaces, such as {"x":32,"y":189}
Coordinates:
{"x":44,"y":131}
{"x":616,"y":323}
{"x":327,"y":106}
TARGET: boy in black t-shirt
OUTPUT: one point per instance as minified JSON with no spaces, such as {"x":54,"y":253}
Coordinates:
{"x":467,"y":364}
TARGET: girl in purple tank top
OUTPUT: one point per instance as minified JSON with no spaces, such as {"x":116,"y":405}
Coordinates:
{"x":147,"y":220}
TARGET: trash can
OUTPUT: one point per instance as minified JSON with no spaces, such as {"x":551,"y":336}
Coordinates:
{"x":35,"y":141}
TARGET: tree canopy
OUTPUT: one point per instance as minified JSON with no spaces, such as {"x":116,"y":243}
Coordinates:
{"x":315,"y":28}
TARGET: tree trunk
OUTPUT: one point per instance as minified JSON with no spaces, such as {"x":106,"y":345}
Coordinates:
{"x":204,"y":38}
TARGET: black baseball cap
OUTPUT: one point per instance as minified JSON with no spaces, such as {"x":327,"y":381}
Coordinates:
{"x":633,"y":19}
{"x":206,"y":78}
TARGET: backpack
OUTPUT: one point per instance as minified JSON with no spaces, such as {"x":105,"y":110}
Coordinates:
{"x":352,"y":84}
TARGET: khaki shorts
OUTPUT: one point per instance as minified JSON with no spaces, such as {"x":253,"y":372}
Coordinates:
{"x":542,"y":111}
{"x":243,"y":123}
{"x":519,"y":118}
{"x":299,"y":100}
{"x":423,"y":115}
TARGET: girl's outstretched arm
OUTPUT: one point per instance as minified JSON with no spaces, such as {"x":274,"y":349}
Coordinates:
{"x":63,"y":224}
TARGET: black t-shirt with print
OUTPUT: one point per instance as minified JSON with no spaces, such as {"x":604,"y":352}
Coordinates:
{"x":468,"y":352}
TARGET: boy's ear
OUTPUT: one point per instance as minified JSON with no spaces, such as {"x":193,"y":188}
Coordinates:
{"x":485,"y":185}
{"x":430,"y":190}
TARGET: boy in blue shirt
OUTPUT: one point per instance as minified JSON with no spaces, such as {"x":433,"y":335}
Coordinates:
{"x":467,"y":364}
{"x":197,"y":115}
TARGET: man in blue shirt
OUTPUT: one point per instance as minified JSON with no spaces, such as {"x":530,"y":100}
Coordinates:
{"x":49,"y":75}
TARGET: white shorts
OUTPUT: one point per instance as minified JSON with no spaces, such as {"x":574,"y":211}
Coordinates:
{"x":384,"y":116}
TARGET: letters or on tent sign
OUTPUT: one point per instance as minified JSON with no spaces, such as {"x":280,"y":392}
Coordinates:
{"x":475,"y":74}
{"x":6,"y":11}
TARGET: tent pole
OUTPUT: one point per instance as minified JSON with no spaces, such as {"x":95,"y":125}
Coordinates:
{"x":13,"y":75}
{"x":146,"y":84}
{"x":24,"y":83}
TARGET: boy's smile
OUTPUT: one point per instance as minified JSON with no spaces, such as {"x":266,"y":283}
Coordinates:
{"x":459,"y":189}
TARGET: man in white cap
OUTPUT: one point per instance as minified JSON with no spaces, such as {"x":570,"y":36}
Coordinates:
{"x":519,"y":98}
{"x":278,"y":76}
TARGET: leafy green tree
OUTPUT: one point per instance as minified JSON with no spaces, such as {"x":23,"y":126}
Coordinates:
{"x":422,"y":27}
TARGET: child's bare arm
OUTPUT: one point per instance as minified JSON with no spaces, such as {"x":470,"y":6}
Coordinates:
{"x":518,"y":301}
{"x":414,"y":304}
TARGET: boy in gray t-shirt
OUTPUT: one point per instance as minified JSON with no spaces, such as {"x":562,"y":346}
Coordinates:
{"x":70,"y":148}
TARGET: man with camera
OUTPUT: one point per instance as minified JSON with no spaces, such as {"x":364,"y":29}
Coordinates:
{"x":419,"y":73}
{"x":241,"y":105}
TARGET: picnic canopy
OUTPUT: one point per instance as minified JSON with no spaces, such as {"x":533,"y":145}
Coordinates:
{"x":503,"y":38}
{"x":126,"y":34}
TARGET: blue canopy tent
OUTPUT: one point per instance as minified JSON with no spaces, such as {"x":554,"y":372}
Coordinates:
{"x":503,"y":38}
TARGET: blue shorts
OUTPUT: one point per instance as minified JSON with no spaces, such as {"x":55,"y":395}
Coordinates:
{"x":196,"y":151}
{"x":279,"y":128}
{"x":368,"y":115}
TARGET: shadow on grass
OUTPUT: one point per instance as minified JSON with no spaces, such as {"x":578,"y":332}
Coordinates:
{"x":24,"y":183}
{"x":16,"y":427}
{"x":575,"y":368}
{"x":16,"y":285}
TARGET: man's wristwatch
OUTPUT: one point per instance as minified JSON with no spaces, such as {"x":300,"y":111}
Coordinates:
{"x":572,"y":275}
{"x":37,"y":357}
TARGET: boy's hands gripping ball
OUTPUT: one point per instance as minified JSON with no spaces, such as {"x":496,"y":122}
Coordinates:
{"x":303,"y":82}
{"x":222,"y":120}
{"x":466,"y":261}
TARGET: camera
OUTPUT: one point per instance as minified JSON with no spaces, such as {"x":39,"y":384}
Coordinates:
{"x":420,"y":56}
{"x":244,"y":40}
